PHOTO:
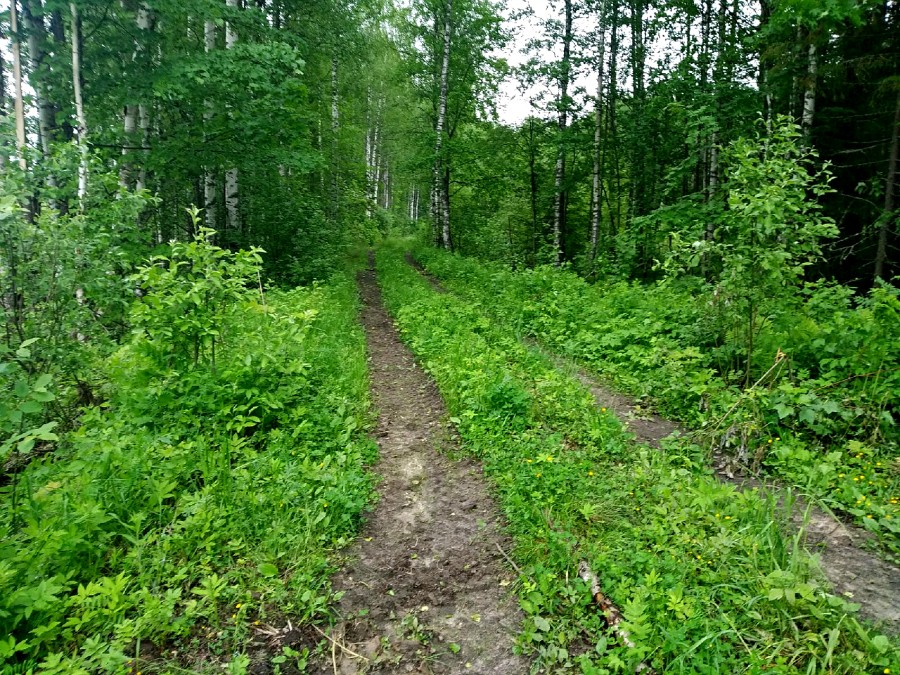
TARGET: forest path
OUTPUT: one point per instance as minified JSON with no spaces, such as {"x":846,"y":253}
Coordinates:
{"x":426,"y":588}
{"x":854,"y":572}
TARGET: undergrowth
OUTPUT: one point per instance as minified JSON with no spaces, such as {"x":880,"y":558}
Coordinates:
{"x":205,"y":498}
{"x":706,"y":579}
{"x":820,"y":415}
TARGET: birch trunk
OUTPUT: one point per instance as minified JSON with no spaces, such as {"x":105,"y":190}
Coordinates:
{"x":369,"y":173}
{"x":597,"y":187}
{"x":559,"y":203}
{"x":376,"y":163}
{"x":79,"y":106}
{"x":37,"y":31}
{"x":438,"y":199}
{"x":17,"y":85}
{"x":335,"y":128}
{"x":615,"y":214}
{"x":232,"y":189}
{"x":209,"y":176}
{"x":143,"y":24}
{"x":809,"y":94}
{"x":4,"y":151}
{"x":889,"y":188}
{"x":132,"y":113}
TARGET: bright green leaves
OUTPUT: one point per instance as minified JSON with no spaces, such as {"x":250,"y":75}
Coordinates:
{"x":22,"y":399}
{"x":192,"y":506}
{"x":188,"y":293}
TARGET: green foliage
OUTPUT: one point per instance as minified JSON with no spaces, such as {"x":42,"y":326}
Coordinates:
{"x":705,"y":582}
{"x":771,"y":228}
{"x":189,"y":505}
{"x":64,"y":281}
{"x":22,"y":400}
{"x":188,"y":293}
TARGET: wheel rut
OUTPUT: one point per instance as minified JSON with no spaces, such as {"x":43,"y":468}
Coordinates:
{"x":426,"y":589}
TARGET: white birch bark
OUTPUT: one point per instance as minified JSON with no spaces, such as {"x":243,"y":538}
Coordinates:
{"x":597,"y":186}
{"x":335,"y":128}
{"x":438,"y":198}
{"x":143,"y":112}
{"x":560,"y":172}
{"x":79,"y":107}
{"x":232,"y":204}
{"x":368,"y":172}
{"x":209,"y":175}
{"x":376,"y":166}
{"x":17,"y":86}
{"x":37,"y":29}
{"x":4,"y":153}
{"x":809,"y":94}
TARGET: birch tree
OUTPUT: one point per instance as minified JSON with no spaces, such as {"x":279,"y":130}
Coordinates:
{"x":79,"y":106}
{"x":563,"y":104}
{"x":18,"y":101}
{"x":232,"y":203}
{"x":597,"y":178}
{"x":439,"y":197}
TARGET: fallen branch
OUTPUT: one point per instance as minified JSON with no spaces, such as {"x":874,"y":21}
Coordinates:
{"x":509,"y":560}
{"x":610,"y":611}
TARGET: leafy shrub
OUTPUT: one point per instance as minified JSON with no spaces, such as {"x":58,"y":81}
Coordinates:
{"x":190,"y":505}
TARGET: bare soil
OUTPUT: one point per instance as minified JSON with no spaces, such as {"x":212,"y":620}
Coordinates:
{"x":854,"y":572}
{"x":426,"y":588}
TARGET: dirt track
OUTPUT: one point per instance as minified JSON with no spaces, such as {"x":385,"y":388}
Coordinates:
{"x":426,"y":588}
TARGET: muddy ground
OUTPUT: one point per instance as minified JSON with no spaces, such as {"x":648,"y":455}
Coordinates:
{"x":426,"y":588}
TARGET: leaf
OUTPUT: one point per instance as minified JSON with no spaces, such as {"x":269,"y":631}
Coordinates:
{"x":783,"y":410}
{"x":30,"y":407}
{"x":881,"y":643}
{"x":268,"y":569}
{"x":542,"y":624}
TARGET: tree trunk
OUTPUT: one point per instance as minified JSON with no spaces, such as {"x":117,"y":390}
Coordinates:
{"x":232,"y":203}
{"x":534,"y":189}
{"x":809,"y":94}
{"x":559,"y":201}
{"x":597,"y":187}
{"x":209,"y":175}
{"x":17,"y":86}
{"x":79,"y":106}
{"x":439,"y":201}
{"x":37,"y":35}
{"x":144,"y":23}
{"x":4,"y":151}
{"x":612,"y":113}
{"x":335,"y":129}
{"x":889,"y":188}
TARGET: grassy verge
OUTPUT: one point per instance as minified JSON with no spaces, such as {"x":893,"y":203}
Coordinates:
{"x":821,"y":419}
{"x":706,"y":580}
{"x":201,"y":501}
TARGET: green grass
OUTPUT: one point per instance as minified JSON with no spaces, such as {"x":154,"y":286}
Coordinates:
{"x":706,"y":579}
{"x":820,"y":420}
{"x":195,"y":503}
